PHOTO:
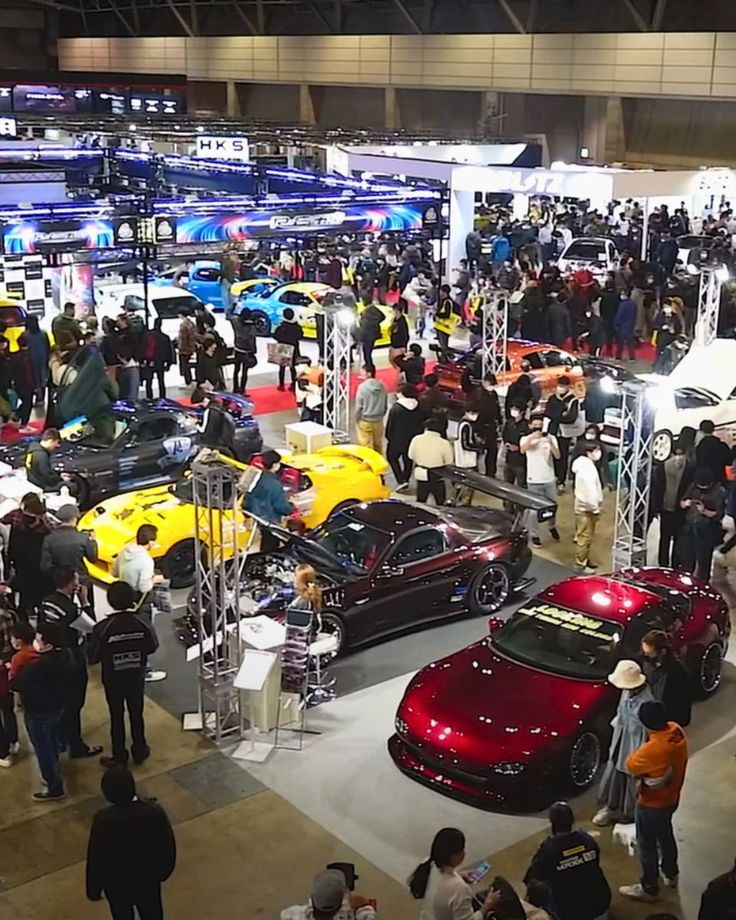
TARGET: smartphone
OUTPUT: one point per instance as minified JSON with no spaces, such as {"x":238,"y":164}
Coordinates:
{"x":545,"y":425}
{"x":477,"y":872}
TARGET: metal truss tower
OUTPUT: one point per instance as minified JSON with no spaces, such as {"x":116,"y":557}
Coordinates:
{"x":495,"y":328}
{"x":338,"y":324}
{"x":218,"y":564}
{"x":709,"y":304}
{"x":634,"y":478}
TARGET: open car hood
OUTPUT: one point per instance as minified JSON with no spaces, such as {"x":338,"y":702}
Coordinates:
{"x":711,"y":367}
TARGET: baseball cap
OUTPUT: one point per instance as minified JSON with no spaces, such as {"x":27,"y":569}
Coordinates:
{"x":328,"y":890}
{"x":67,"y":513}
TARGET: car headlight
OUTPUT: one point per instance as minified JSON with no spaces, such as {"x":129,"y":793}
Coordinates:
{"x":401,"y":726}
{"x":509,"y":768}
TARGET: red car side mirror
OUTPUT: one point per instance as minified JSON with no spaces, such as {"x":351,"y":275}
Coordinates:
{"x":494,"y":624}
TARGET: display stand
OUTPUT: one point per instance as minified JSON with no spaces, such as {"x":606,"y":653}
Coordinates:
{"x":252,"y":677}
{"x":495,"y":312}
{"x":337,"y":338}
{"x":294,"y":677}
{"x":307,"y":437}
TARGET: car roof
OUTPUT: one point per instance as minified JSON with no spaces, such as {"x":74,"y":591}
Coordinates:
{"x":305,"y":287}
{"x":601,"y":595}
{"x":393,"y":516}
{"x":524,"y":346}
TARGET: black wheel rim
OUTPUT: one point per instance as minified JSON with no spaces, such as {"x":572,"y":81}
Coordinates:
{"x":710,"y":669}
{"x":262,"y":325}
{"x":182,"y":562}
{"x":493,"y":588}
{"x":585,"y":759}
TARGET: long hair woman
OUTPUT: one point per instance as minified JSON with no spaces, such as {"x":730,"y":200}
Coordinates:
{"x":443,"y":890}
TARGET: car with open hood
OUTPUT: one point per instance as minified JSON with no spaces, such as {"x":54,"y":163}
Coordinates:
{"x":523,"y":716}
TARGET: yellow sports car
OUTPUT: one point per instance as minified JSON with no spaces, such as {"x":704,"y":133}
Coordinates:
{"x":317,"y":484}
{"x":308,"y":321}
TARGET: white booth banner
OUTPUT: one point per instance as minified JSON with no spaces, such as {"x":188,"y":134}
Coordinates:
{"x":222,"y":148}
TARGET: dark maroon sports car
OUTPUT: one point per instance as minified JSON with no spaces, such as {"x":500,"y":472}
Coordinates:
{"x":523,"y":716}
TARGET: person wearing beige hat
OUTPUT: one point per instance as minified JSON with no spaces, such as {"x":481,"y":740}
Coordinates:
{"x":617,"y":789}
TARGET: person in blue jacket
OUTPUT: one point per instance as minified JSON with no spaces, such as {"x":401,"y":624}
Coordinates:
{"x":268,"y":501}
{"x":500,"y":251}
{"x":624,"y":324}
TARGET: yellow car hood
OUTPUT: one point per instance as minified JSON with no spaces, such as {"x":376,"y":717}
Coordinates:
{"x":115,"y":521}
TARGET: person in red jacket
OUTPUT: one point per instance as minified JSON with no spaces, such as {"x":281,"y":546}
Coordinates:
{"x":660,"y":765}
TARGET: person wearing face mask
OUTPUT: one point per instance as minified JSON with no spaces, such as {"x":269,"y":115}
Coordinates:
{"x":674,"y":353}
{"x":587,"y":502}
{"x":404,"y":422}
{"x":594,"y":332}
{"x":540,"y":450}
{"x":667,"y":326}
{"x":525,"y":390}
{"x":484,"y":400}
{"x":667,"y":676}
{"x":670,"y":481}
{"x":592,"y":434}
{"x":514,"y":429}
{"x":468,"y":446}
{"x":564,"y":411}
{"x":703,"y":504}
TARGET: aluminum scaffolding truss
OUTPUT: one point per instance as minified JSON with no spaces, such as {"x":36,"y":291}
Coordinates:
{"x":495,"y":313}
{"x":219,"y":563}
{"x":338,"y":324}
{"x":634,"y":478}
{"x":709,"y":304}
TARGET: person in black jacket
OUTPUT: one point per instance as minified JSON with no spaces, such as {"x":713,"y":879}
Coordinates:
{"x":29,"y":525}
{"x":289,"y":332}
{"x":37,"y":462}
{"x":67,"y":607}
{"x":558,"y":321}
{"x":67,"y":548}
{"x":412,"y":365}
{"x":245,"y":347}
{"x":484,"y":401}
{"x":405,"y":421}
{"x":41,"y":687}
{"x":157,"y":356}
{"x":123,"y":642}
{"x":399,"y":341}
{"x":369,"y":332}
{"x":667,"y":676}
{"x":131,"y":850}
{"x":719,"y":898}
{"x":216,"y":426}
{"x":712,"y":453}
{"x":670,"y":482}
{"x":208,"y":370}
{"x":569,"y":863}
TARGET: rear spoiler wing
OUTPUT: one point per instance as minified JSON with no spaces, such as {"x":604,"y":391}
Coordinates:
{"x":521,"y":499}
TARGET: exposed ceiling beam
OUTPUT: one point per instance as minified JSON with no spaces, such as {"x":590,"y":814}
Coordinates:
{"x":180,"y":19}
{"x":136,"y":17}
{"x":512,"y":17}
{"x":322,"y":18}
{"x":260,"y":17}
{"x":51,"y":5}
{"x":427,"y":15}
{"x":245,"y":18}
{"x":660,"y":8}
{"x":128,"y":27}
{"x":338,"y":16}
{"x":641,"y":23}
{"x":413,"y":24}
{"x":531,"y":16}
{"x":194,"y":16}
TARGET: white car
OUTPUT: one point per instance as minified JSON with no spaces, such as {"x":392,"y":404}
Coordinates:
{"x":164,"y":301}
{"x":702,"y":386}
{"x":597,"y":254}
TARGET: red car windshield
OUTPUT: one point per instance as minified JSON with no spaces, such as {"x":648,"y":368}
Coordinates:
{"x":560,"y":640}
{"x":356,"y":545}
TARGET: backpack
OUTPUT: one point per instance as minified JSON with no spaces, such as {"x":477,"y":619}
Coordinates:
{"x":150,"y":347}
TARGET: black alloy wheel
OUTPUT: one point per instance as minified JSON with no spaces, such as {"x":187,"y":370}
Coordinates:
{"x":710,"y":673}
{"x":262,"y":322}
{"x":585,"y":760}
{"x":178,"y":564}
{"x":489,"y":590}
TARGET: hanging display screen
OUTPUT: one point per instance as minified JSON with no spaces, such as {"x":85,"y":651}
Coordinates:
{"x":213,"y":228}
{"x":37,"y":98}
{"x":57,"y":235}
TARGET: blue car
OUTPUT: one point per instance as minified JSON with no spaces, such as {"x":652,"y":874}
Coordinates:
{"x":204,"y":280}
{"x":268,"y":307}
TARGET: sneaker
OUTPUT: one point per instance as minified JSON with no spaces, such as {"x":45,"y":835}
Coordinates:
{"x":154,"y":676}
{"x":7,"y":761}
{"x":15,"y":748}
{"x":637,"y":893}
{"x":402,"y":487}
{"x":46,"y":796}
{"x":560,"y":487}
{"x":139,"y":758}
{"x":670,"y":882}
{"x":536,"y":541}
{"x":605,"y":816}
{"x":555,"y":534}
{"x":591,"y":565}
{"x":88,"y":752}
{"x":590,"y":569}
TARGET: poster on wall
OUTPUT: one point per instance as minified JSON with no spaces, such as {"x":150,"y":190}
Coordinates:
{"x":214,"y":228}
{"x":24,"y":278}
{"x":28,"y":236}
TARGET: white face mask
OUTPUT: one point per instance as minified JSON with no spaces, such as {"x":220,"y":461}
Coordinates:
{"x":515,"y":413}
{"x":38,"y":645}
{"x":596,"y":456}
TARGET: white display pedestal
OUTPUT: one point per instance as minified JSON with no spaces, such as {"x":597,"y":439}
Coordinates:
{"x":307,"y":437}
{"x":252,"y":678}
{"x":266,"y":635}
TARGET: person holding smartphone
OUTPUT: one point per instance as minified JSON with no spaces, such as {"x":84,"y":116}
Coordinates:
{"x":540,"y":450}
{"x":445,"y":891}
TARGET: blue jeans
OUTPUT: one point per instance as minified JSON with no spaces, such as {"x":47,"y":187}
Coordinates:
{"x":655,"y":838}
{"x":42,"y":730}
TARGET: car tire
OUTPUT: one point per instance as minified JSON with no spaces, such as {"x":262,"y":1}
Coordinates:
{"x":708,"y":675}
{"x":489,"y":589}
{"x":341,"y":506}
{"x":333,"y":623}
{"x":263,"y":323}
{"x":662,"y":445}
{"x":584,"y":760}
{"x":83,"y":497}
{"x":178,"y":564}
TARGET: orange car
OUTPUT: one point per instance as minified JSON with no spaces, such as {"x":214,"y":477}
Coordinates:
{"x":460,"y":371}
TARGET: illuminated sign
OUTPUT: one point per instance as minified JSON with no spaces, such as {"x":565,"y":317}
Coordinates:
{"x":27,"y":236}
{"x":307,"y":221}
{"x":223,"y":148}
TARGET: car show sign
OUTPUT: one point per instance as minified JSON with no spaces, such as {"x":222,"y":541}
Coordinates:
{"x":222,"y":148}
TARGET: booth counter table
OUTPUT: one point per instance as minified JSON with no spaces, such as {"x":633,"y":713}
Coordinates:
{"x":307,"y":437}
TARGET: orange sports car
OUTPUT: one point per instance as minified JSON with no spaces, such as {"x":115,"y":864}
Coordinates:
{"x":460,"y":371}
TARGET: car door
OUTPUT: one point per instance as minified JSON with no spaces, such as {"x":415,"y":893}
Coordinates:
{"x":143,"y":458}
{"x":412,"y":584}
{"x":670,"y":618}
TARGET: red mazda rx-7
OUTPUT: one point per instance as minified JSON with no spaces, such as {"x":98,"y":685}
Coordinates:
{"x":524,"y":715}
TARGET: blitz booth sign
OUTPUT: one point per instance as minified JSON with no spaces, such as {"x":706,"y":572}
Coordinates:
{"x":223,"y":148}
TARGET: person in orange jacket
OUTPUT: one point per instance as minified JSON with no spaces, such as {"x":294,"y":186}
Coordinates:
{"x":660,"y":765}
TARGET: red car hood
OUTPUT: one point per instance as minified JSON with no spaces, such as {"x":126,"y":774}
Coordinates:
{"x":480,"y":708}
